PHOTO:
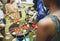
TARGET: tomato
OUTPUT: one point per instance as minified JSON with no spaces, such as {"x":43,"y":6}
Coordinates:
{"x":34,"y":25}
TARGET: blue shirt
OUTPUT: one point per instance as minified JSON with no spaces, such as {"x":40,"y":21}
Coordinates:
{"x":41,"y":9}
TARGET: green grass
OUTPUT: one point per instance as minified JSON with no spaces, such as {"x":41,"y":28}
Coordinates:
{"x":23,"y":20}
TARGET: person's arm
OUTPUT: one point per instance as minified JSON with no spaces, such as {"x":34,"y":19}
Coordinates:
{"x":46,"y":28}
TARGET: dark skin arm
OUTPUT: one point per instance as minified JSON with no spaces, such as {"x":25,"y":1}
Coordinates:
{"x":46,"y":27}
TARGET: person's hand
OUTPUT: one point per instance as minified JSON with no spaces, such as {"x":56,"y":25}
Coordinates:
{"x":11,"y":17}
{"x":2,"y":25}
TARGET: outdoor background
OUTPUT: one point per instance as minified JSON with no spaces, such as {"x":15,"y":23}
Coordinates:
{"x":30,"y":35}
{"x":27,"y":3}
